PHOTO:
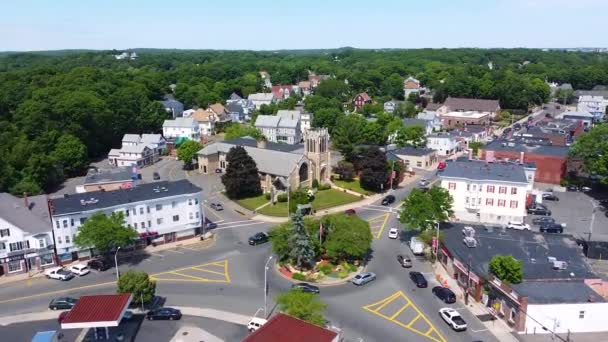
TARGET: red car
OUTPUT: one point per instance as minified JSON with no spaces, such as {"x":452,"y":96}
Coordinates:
{"x":350,"y":212}
{"x":441,"y":165}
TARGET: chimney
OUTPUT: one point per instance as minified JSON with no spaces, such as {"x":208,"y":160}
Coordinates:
{"x":25,"y":200}
{"x":521,"y":157}
{"x":261,"y":143}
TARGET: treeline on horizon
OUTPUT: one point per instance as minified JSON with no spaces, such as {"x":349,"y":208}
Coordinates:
{"x":61,"y":109}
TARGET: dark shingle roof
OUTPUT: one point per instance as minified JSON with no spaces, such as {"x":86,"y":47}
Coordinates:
{"x":466,"y":104}
{"x":234,"y":107}
{"x":32,"y":220}
{"x":433,"y":106}
{"x":248,"y":141}
{"x":107,"y":176}
{"x":99,"y":200}
{"x":412,"y":151}
{"x":415,"y":122}
{"x":519,"y":146}
{"x":563,"y":292}
{"x":480,"y":170}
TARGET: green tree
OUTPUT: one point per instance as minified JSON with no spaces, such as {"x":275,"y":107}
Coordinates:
{"x":592,"y":149}
{"x":137,"y":283}
{"x":345,"y":170}
{"x":332,"y":89}
{"x":72,"y":154}
{"x":349,"y":237}
{"x":296,"y":198}
{"x":410,"y":136}
{"x":507,"y":268}
{"x":422,"y":210}
{"x":302,"y":252}
{"x":105,"y":233}
{"x":236,"y":130}
{"x":187,"y":152}
{"x":279,"y":238}
{"x":305,"y":306}
{"x":374,"y":170}
{"x":349,"y":134}
{"x":241,"y":178}
{"x":327,"y":118}
{"x":475,"y":146}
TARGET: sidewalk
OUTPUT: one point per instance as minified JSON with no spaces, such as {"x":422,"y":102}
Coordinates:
{"x":194,"y":334}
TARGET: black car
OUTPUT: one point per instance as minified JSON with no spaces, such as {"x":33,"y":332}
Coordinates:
{"x":572,"y":188}
{"x":209,"y":224}
{"x":258,"y":238}
{"x":539,"y":221}
{"x":155,"y":175}
{"x":390,"y":199}
{"x":445,"y":294}
{"x":99,"y":265}
{"x":418,"y":279}
{"x":550,"y":197}
{"x":539,"y":210}
{"x":552,"y":228}
{"x":304,"y":287}
{"x":517,"y":127}
{"x":62,"y":303}
{"x":506,"y":130}
{"x":164,"y":313}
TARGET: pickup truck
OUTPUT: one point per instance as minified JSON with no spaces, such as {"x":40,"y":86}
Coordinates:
{"x":58,"y":273}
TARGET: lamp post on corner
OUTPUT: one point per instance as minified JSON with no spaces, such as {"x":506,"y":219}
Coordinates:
{"x":266,"y":287}
{"x":116,"y":263}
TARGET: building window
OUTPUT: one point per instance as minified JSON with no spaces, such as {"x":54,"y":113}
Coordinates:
{"x":491,"y":189}
{"x":159,"y":220}
{"x":59,"y":239}
{"x":501,"y":203}
{"x":57,"y":224}
{"x":14,"y":266}
{"x":7,"y":232}
{"x":581,"y":314}
{"x":159,"y":207}
{"x":41,"y":243}
{"x":190,"y":215}
{"x":466,"y":200}
{"x":468,"y":186}
{"x":67,"y":239}
{"x":189,"y":201}
{"x":513,"y":204}
{"x":2,"y":246}
{"x":134,"y":212}
{"x":72,"y":222}
{"x":83,"y":220}
{"x":175,"y":218}
{"x":502,"y":190}
{"x":141,"y":211}
{"x":65,"y":223}
{"x":135,"y":225}
{"x":489,"y":201}
{"x":148,"y":209}
{"x":143,"y":224}
{"x":46,"y":259}
{"x":513,"y":191}
{"x":474,"y":187}
{"x":196,"y":201}
{"x":127,"y":213}
{"x":419,"y":164}
{"x":149,"y":223}
{"x":452,"y":186}
{"x":204,"y":168}
{"x":173,"y":204}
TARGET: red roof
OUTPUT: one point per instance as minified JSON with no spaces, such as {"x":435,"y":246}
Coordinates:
{"x":365,"y":97}
{"x":97,"y":311}
{"x":281,"y":328}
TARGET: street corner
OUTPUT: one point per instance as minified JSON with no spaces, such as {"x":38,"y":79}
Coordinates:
{"x":211,"y":272}
{"x":400,"y":310}
{"x":377,"y":224}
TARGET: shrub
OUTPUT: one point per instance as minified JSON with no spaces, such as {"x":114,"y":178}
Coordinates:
{"x":282,"y":198}
{"x":315,"y":184}
{"x":324,"y":186}
{"x":342,"y":274}
{"x":298,"y":276}
{"x":326,"y":269}
{"x":349,"y":267}
{"x":267,"y":196}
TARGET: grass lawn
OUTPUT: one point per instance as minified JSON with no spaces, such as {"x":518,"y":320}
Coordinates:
{"x":253,"y":202}
{"x":353,"y":185}
{"x":332,"y":198}
{"x":279,"y":209}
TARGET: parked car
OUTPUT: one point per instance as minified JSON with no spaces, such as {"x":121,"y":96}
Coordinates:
{"x":58,"y":273}
{"x":127,"y":316}
{"x":418,"y":279}
{"x":363,"y":278}
{"x":98,"y":265}
{"x":255,"y":323}
{"x":552,"y":228}
{"x":405,"y":261}
{"x":350,"y":212}
{"x":441,"y":165}
{"x":572,"y":188}
{"x":216,"y":206}
{"x":62,"y":303}
{"x":305,"y":287}
{"x":506,"y":131}
{"x":218,"y":170}
{"x":424,"y":182}
{"x":80,"y":269}
{"x":585,"y":189}
{"x":547,"y":196}
{"x":164,"y":313}
{"x":453,"y":319}
{"x":445,"y":294}
{"x":258,"y":238}
{"x":390,"y":199}
{"x":517,"y":127}
{"x":155,"y":175}
{"x":539,"y":221}
{"x":518,"y":225}
{"x":393,"y":233}
{"x":209,"y":224}
{"x":539,"y":210}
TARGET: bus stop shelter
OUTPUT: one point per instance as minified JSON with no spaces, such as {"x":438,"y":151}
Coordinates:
{"x":99,"y":311}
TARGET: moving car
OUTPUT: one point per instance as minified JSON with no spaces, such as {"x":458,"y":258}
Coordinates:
{"x":418,"y":279}
{"x":305,"y":287}
{"x":209,"y":224}
{"x":62,"y":303}
{"x":155,"y":175}
{"x":539,"y":221}
{"x":363,"y":278}
{"x":405,"y":261}
{"x":445,"y":294}
{"x":80,"y":269}
{"x":350,"y":212}
{"x":255,"y":323}
{"x":258,"y":238}
{"x":58,"y":273}
{"x":518,"y":225}
{"x":390,"y":199}
{"x":164,"y":313}
{"x":547,"y":196}
{"x":539,"y":210}
{"x":453,"y":319}
{"x":393,"y":233}
{"x":216,"y":206}
{"x":98,"y":265}
{"x":424,"y":182}
{"x":552,"y":228}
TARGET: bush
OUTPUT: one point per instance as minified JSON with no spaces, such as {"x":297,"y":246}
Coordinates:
{"x":315,"y":184}
{"x":326,"y":269}
{"x":342,"y":274}
{"x":324,"y":186}
{"x":282,"y":198}
{"x":348,"y":267}
{"x":267,"y":196}
{"x":298,"y":276}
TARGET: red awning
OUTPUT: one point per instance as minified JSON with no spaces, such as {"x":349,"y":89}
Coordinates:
{"x":97,"y":311}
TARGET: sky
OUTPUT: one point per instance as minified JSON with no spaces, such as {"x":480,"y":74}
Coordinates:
{"x":28,"y":25}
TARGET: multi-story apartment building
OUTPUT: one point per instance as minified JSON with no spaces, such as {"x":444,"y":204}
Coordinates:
{"x":181,"y":128}
{"x":160,"y":212}
{"x":596,"y":105}
{"x":487,"y":192}
{"x":285,"y":127}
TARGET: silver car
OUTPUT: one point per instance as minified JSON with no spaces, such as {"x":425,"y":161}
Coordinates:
{"x":363,"y":278}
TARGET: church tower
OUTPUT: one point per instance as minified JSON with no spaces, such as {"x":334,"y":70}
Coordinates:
{"x":316,"y":144}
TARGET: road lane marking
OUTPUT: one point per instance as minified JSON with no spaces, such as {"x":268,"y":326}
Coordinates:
{"x":208,"y":271}
{"x":188,"y":276}
{"x":172,"y":250}
{"x":382,"y":227}
{"x":253,"y":223}
{"x":414,"y":321}
{"x":400,"y":311}
{"x":217,"y":268}
{"x":58,"y":292}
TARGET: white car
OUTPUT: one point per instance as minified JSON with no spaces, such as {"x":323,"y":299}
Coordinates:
{"x":255,"y":323}
{"x":393,"y":233}
{"x":80,"y":269}
{"x":424,"y":182}
{"x":453,"y":319}
{"x":518,"y":225}
{"x":58,"y":273}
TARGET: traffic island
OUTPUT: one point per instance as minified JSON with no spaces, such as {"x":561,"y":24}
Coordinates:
{"x":324,"y":273}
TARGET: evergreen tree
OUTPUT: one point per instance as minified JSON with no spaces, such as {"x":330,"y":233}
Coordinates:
{"x":302,"y":251}
{"x":241,"y":178}
{"x":375,"y":171}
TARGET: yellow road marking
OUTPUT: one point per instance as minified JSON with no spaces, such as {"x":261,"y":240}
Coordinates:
{"x":58,"y":292}
{"x":400,"y":311}
{"x":188,"y":276}
{"x":387,"y":302}
{"x":414,"y":321}
{"x":382,"y":227}
{"x":161,"y":276}
{"x":209,"y":271}
{"x":388,"y":299}
{"x":376,"y":218}
{"x":428,"y":332}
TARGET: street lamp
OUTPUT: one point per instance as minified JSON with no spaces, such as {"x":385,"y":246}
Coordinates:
{"x":266,"y":286}
{"x":116,"y":263}
{"x":595,"y":207}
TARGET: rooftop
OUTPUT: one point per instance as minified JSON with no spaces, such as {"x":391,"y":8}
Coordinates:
{"x":467,"y":114}
{"x":179,"y":122}
{"x":33,"y":218}
{"x":415,"y":122}
{"x":466,"y":104}
{"x":95,"y":176}
{"x":281,"y":328}
{"x":97,"y":311}
{"x":261,"y":97}
{"x":136,"y":138}
{"x":151,"y":138}
{"x":412,"y":151}
{"x":484,"y":171}
{"x":433,"y":106}
{"x":581,"y":115}
{"x":98,"y":200}
{"x":530,"y":148}
{"x":283,"y":119}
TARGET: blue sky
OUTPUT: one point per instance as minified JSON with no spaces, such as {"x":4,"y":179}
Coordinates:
{"x":267,"y":25}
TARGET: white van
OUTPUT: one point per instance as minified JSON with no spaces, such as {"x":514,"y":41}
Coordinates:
{"x":416,"y":246}
{"x":255,"y":323}
{"x":80,"y":269}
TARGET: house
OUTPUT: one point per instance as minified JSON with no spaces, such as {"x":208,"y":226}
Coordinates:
{"x":235,"y":111}
{"x":596,"y":105}
{"x":315,"y":79}
{"x":432,"y":117}
{"x":159,"y":212}
{"x":108,"y":180}
{"x":551,"y":161}
{"x":421,"y":158}
{"x":283,"y":92}
{"x":234,"y":97}
{"x":479,"y":106}
{"x":280,"y":165}
{"x":585,"y":117}
{"x":285,"y":127}
{"x":206,"y":121}
{"x":188,"y":113}
{"x":305,"y":87}
{"x":155,"y":142}
{"x":460,"y":119}
{"x":219,"y":111}
{"x":486,"y":192}
{"x":131,"y":140}
{"x":390,"y":106}
{"x":26,"y":239}
{"x":444,"y":143}
{"x":470,"y":134}
{"x":411,"y":86}
{"x":139,"y":155}
{"x":559,"y":292}
{"x":360,"y":100}
{"x":282,"y":328}
{"x":181,"y":128}
{"x":173,"y":107}
{"x":427,"y":126}
{"x":305,"y":121}
{"x":259,"y":99}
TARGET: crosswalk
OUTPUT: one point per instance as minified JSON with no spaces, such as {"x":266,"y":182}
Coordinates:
{"x":381,"y":208}
{"x":237,"y":224}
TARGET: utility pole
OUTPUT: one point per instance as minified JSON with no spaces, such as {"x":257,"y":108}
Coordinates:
{"x":392,"y":173}
{"x":266,"y":287}
{"x":466,"y":294}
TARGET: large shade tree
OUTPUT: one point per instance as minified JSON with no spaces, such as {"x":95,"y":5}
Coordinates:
{"x":105,"y":233}
{"x":302,"y":305}
{"x":241,"y":178}
{"x":374,"y":169}
{"x":422,"y":210}
{"x":592,"y":149}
